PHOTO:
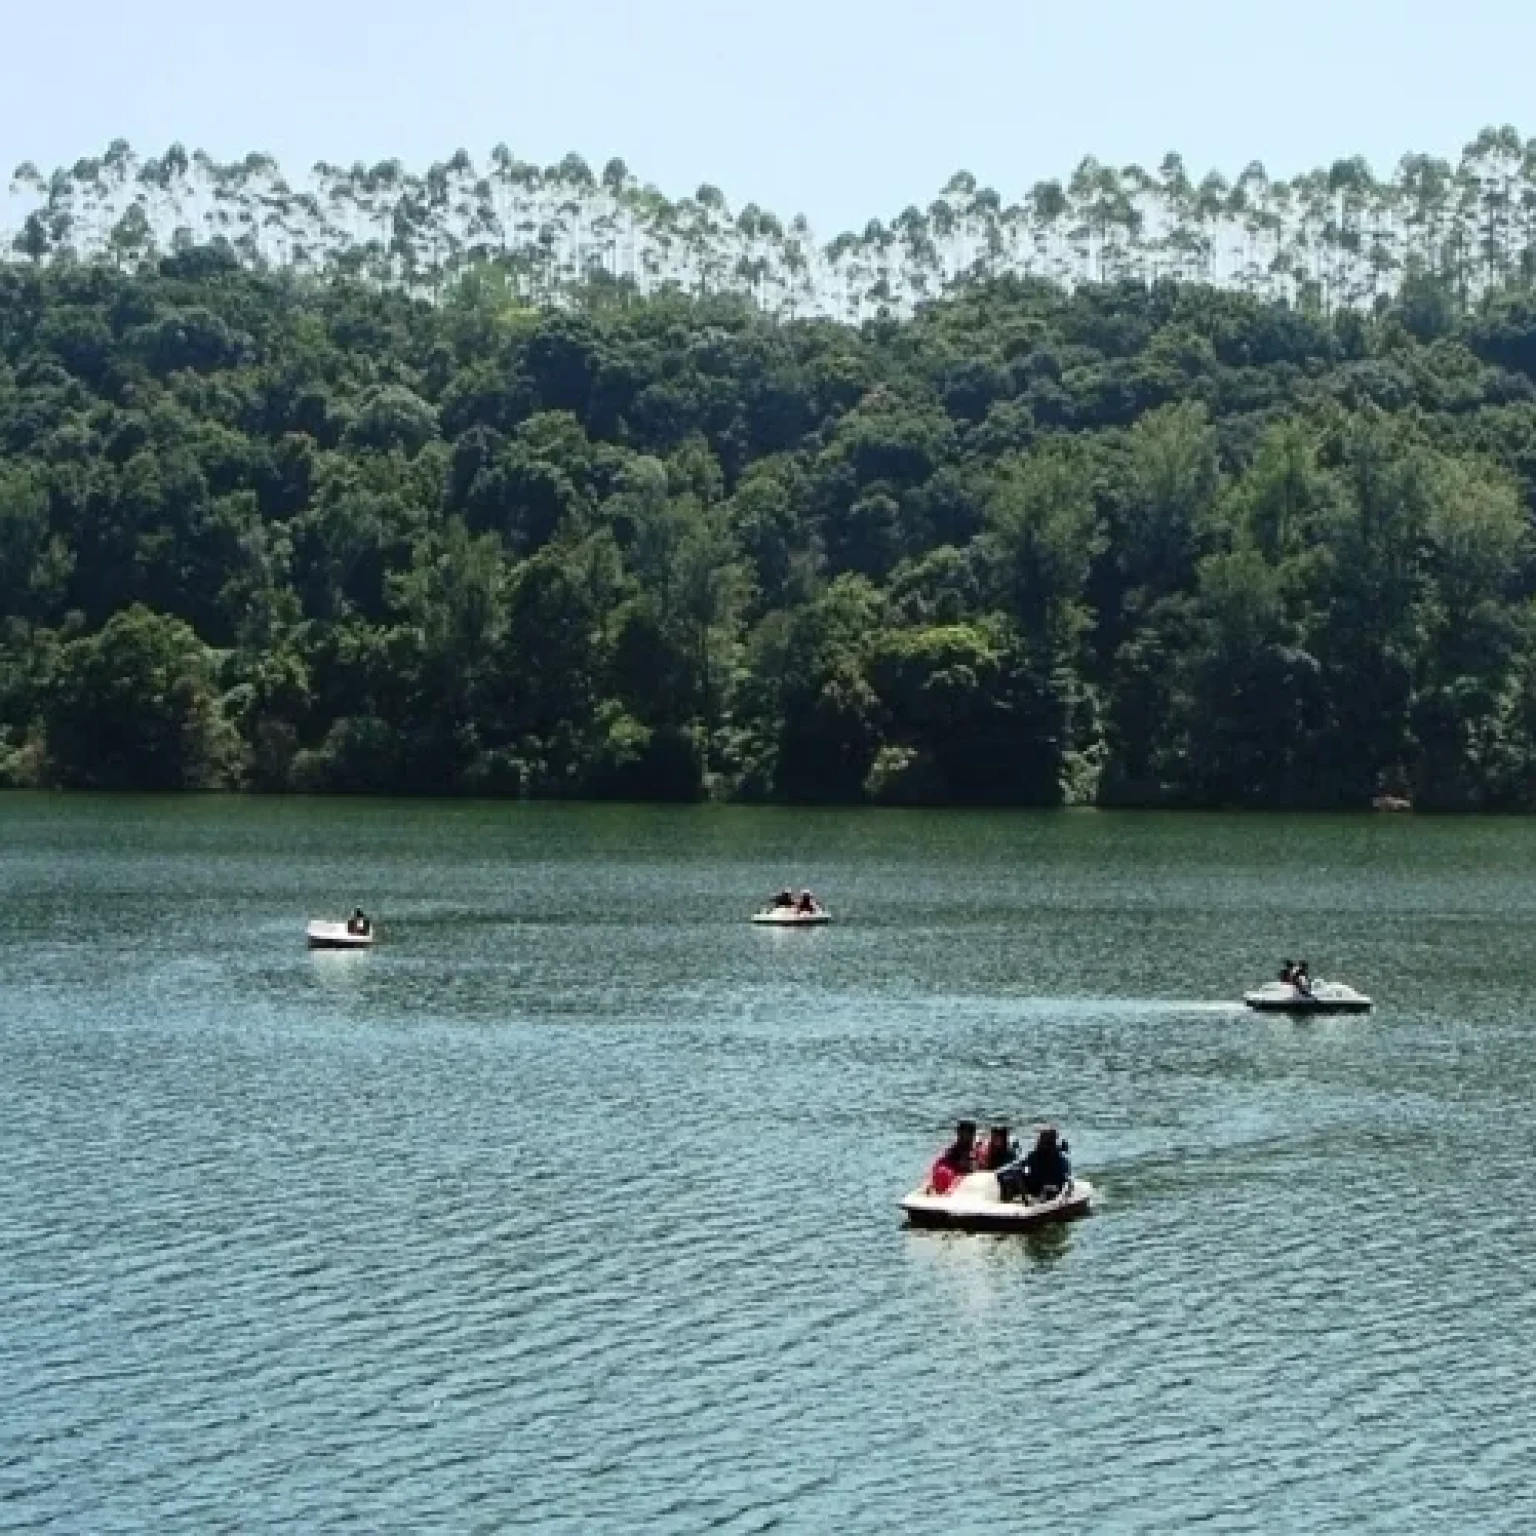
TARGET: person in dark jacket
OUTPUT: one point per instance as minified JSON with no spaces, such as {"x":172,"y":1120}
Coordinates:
{"x":1044,"y":1173}
{"x":358,"y":923}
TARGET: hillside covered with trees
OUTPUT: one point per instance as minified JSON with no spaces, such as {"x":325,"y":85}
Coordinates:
{"x":1128,"y":543}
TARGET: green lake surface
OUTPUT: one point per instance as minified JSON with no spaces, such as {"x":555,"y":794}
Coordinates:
{"x":572,"y":1206}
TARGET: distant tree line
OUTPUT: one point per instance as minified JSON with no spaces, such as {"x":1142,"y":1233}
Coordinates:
{"x":1151,"y":543}
{"x":1337,"y":237}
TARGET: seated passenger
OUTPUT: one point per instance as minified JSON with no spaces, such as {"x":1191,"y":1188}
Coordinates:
{"x":1301,"y":978}
{"x":358,"y":923}
{"x":1288,"y":973}
{"x":807,"y":902}
{"x":785,"y":898}
{"x":955,"y":1161}
{"x":1000,"y":1150}
{"x":1045,"y":1172}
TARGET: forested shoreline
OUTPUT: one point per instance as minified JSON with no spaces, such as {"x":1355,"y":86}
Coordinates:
{"x":1124,"y":544}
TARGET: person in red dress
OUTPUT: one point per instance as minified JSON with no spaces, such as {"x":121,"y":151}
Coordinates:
{"x":955,"y":1161}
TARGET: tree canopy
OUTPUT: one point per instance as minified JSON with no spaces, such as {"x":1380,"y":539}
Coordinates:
{"x":1339,"y":236}
{"x":1128,"y":542}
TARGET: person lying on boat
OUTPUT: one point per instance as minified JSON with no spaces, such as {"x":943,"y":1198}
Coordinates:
{"x":1043,"y":1174}
{"x":955,"y":1161}
{"x":1000,"y":1150}
{"x":358,"y":923}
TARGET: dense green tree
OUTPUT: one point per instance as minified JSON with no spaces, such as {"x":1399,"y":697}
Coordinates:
{"x":134,"y":707}
{"x":1151,"y":544}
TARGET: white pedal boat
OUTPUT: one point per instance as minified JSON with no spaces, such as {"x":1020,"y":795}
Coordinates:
{"x":323,"y":935}
{"x":973,"y":1205}
{"x":790,"y":917}
{"x":1320,"y":997}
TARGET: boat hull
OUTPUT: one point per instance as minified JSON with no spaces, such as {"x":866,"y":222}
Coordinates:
{"x":336,"y":936}
{"x":1326,"y":997}
{"x":792,"y":919}
{"x":971,"y":1213}
{"x":1270,"y":1005}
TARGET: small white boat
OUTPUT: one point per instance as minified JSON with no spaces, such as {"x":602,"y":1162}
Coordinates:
{"x":323,"y":935}
{"x":792,"y":917}
{"x":1319,"y":997}
{"x":975,"y":1205}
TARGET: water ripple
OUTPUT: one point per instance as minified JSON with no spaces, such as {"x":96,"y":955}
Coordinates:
{"x":549,"y":1214}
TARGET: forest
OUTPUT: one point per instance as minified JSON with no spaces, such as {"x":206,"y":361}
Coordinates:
{"x":1339,"y":236}
{"x":1146,"y":540}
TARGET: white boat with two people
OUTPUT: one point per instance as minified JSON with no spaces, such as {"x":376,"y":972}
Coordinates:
{"x":787,"y":910}
{"x":1319,"y":997}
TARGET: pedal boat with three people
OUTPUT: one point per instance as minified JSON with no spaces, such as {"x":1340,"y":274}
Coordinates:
{"x":975,"y":1204}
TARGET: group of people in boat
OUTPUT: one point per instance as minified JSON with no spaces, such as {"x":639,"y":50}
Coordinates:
{"x":1040,"y":1174}
{"x":787,"y":901}
{"x":1298,"y":974}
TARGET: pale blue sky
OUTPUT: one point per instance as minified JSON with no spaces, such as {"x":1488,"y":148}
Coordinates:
{"x":842,"y":109}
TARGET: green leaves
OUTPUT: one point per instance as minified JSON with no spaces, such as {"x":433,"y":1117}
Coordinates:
{"x":1161,"y":545}
{"x":133,"y":707}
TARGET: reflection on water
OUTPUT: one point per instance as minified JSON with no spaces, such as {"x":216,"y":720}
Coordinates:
{"x":573,"y":1203}
{"x":987,"y":1264}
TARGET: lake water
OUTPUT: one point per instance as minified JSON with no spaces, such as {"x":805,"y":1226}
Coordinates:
{"x":572,"y":1206}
